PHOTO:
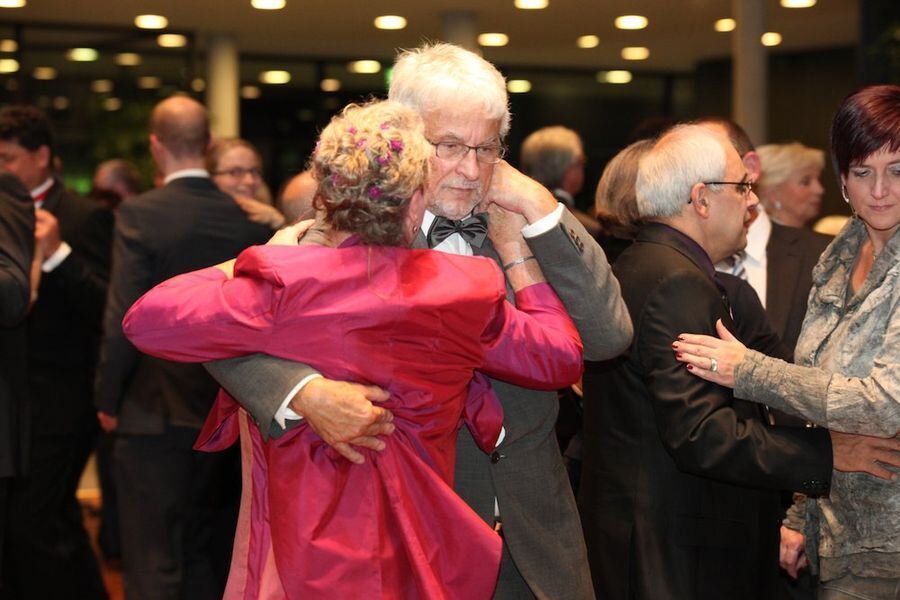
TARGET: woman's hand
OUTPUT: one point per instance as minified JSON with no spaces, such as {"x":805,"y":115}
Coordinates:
{"x":709,"y":358}
{"x":260,"y":212}
{"x":792,"y":552}
{"x":290,"y":235}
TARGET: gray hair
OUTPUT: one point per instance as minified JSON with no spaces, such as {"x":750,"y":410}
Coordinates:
{"x":548,"y":152}
{"x":683,"y":157}
{"x":435,"y":77}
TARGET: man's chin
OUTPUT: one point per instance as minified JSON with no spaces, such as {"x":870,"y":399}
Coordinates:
{"x":455,"y":206}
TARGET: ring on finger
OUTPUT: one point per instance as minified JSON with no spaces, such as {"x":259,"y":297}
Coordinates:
{"x":713,"y":364}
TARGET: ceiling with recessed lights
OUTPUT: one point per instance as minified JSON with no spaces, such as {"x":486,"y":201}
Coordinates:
{"x":664,"y":34}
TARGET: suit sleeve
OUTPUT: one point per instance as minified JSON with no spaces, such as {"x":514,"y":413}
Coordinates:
{"x":700,"y":424}
{"x":131,"y":276}
{"x":533,"y":344}
{"x":577,"y":268}
{"x":84,"y":274}
{"x":867,"y":405}
{"x":16,"y":251}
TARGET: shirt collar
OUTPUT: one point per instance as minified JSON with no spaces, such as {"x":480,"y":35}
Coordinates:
{"x":182,"y":173}
{"x":758,"y":236}
{"x":42,"y":189}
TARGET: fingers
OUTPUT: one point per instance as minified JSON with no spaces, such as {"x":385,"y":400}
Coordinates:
{"x":379,"y":428}
{"x":368,"y":441}
{"x":382,"y":416}
{"x":698,"y":340}
{"x":347,"y":451}
{"x":373,"y":393}
{"x":723,"y":332}
{"x":888,"y":457}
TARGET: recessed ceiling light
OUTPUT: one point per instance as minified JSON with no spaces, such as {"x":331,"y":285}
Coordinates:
{"x":635,"y":53}
{"x":8,"y":65}
{"x":60,"y":103}
{"x":198,"y":85}
{"x":151,"y":22}
{"x":364,"y":66}
{"x":588,"y":41}
{"x":8,"y":45}
{"x":798,"y":3}
{"x":250,"y":92}
{"x":275,"y":77}
{"x":631,"y":22}
{"x":82,"y":54}
{"x":531,"y":4}
{"x":725,"y":25}
{"x":44,"y":73}
{"x":12,"y":3}
{"x":172,"y":40}
{"x":267,"y":4}
{"x":770,"y":38}
{"x":518,"y":86}
{"x":128,"y":59}
{"x":330,"y":85}
{"x":390,"y":22}
{"x":493,"y":39}
{"x":102,"y":86}
{"x":112,"y":104}
{"x":149,"y":82}
{"x":618,"y":77}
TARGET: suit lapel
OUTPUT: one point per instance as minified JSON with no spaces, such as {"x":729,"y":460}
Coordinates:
{"x":782,"y":272}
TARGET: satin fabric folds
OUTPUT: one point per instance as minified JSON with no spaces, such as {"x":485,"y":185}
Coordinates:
{"x":417,"y":323}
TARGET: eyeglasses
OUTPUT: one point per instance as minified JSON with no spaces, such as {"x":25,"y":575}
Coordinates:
{"x":489,"y":155}
{"x":239,"y":172}
{"x":743,"y":187}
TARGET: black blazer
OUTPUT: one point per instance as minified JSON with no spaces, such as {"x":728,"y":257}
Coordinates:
{"x":185,"y":225}
{"x":64,"y":324}
{"x":679,"y":488}
{"x":791,"y":254}
{"x":16,"y":251}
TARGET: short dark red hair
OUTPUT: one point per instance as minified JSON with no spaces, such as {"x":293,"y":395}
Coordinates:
{"x":866,"y":121}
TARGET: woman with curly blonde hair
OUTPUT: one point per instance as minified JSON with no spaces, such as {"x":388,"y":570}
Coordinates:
{"x":361,"y":306}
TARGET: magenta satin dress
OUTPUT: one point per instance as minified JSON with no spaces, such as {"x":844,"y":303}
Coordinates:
{"x":417,"y":323}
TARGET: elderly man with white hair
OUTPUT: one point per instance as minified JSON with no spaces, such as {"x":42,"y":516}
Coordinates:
{"x":679,"y":492}
{"x":521,"y":488}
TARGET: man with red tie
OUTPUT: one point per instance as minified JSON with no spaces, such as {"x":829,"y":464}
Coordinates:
{"x":50,"y":555}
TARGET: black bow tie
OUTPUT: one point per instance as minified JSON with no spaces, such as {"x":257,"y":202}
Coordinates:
{"x":473,"y":229}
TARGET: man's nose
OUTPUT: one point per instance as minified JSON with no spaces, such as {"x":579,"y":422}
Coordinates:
{"x":468,"y":165}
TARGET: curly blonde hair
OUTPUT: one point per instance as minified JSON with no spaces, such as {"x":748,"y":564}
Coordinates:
{"x":369,"y":161}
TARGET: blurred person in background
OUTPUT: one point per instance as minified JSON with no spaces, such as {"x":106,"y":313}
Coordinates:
{"x":296,"y":198}
{"x":788,"y":185}
{"x":236,"y":168}
{"x":116,"y":176}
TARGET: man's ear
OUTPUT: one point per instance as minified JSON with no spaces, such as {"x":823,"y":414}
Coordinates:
{"x":43,"y":156}
{"x":752,"y":164}
{"x":699,"y":200}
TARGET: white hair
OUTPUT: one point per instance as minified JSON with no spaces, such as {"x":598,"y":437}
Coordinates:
{"x":779,"y":161}
{"x":436,"y":77}
{"x":683,"y":157}
{"x":548,"y":152}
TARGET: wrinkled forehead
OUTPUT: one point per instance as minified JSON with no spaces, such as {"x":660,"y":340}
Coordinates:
{"x":472,"y":126}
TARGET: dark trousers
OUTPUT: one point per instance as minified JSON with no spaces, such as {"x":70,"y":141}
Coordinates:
{"x":48,"y":553}
{"x":177,"y":515}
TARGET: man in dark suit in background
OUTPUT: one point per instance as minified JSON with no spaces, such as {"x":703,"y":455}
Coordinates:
{"x":680,"y":485}
{"x":49,"y":555}
{"x":177,"y":507}
{"x":521,"y":486}
{"x":16,"y":253}
{"x":778,"y":260}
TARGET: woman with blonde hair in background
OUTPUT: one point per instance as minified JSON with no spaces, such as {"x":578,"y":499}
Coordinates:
{"x":789,"y":186}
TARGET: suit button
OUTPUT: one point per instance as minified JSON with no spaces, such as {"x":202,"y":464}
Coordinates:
{"x":495,"y":457}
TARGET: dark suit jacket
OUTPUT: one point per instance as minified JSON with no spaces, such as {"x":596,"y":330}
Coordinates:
{"x":185,"y":225}
{"x":64,"y":324}
{"x":526,"y":474}
{"x":16,"y":249}
{"x":678,"y":494}
{"x":791,"y":254}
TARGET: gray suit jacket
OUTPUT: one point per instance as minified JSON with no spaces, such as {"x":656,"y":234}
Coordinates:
{"x":525,"y":474}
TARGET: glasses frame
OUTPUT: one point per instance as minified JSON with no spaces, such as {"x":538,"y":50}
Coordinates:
{"x":502,"y":150}
{"x":239,"y":173}
{"x":747,"y":185}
